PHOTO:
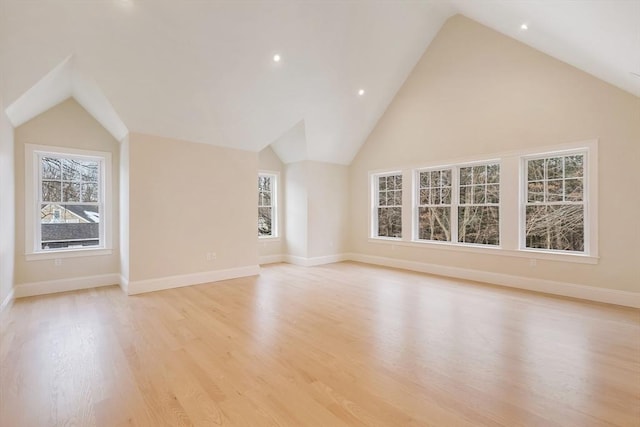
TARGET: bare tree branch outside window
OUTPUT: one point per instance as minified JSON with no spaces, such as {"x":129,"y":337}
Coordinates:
{"x":555,"y":209}
{"x":389,"y":206}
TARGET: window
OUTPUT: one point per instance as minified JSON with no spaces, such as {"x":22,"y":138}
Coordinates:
{"x":388,"y":205}
{"x":69,"y":190}
{"x":479,"y":204}
{"x":459,"y":204}
{"x":267,"y":201}
{"x":555,"y":202}
{"x":535,"y":204}
{"x":434,"y":205}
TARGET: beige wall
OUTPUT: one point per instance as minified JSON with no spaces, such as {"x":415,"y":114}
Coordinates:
{"x":187,"y":199}
{"x":477,"y":92}
{"x":269,"y":161}
{"x":317,"y":208}
{"x":124,"y":211}
{"x":65,"y":125}
{"x":7,"y":204}
{"x":328,"y":188}
{"x":296,"y":209}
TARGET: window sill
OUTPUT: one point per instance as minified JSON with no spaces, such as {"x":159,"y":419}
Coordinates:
{"x":67,"y":253}
{"x":492,"y":250}
{"x":266,"y":239}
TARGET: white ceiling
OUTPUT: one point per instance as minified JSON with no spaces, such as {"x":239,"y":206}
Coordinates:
{"x":203,"y":70}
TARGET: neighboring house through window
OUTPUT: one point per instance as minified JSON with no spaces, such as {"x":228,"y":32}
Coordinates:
{"x":267,"y":205}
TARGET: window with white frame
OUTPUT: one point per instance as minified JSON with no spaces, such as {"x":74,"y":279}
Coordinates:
{"x":554,"y":202}
{"x":267,"y":201}
{"x":69,"y":199}
{"x":459,"y":204}
{"x":387,"y":218}
{"x":538,"y":203}
{"x":434,"y":205}
{"x":479,"y":204}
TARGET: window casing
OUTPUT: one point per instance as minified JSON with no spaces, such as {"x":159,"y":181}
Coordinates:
{"x":67,"y":198}
{"x":267,"y":205}
{"x":387,"y":202}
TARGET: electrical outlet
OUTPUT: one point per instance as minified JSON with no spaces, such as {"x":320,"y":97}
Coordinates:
{"x":533,"y":262}
{"x":57,"y":262}
{"x":211,"y":256}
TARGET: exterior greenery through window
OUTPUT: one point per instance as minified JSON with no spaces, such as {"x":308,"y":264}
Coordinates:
{"x":70,"y":198}
{"x":474,"y":198}
{"x":267,"y":222}
{"x":555,"y":203}
{"x":389,"y":206}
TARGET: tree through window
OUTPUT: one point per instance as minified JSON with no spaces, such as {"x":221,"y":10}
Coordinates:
{"x":555,"y":203}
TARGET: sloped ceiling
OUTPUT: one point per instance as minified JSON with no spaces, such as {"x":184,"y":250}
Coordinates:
{"x":203,"y":71}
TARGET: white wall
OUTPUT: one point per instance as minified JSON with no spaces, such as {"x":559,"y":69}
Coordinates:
{"x":7,"y":206}
{"x":65,"y":125}
{"x":478,"y":92}
{"x":187,"y":200}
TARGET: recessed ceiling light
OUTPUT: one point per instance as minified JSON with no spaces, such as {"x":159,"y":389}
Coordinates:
{"x":361,"y":92}
{"x":524,"y":27}
{"x":276,"y":58}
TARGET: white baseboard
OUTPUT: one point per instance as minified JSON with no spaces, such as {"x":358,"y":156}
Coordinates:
{"x":65,"y":285}
{"x":8,"y":301}
{"x":271,"y":259}
{"x":310,"y":262}
{"x":170,"y":282}
{"x":591,"y":293}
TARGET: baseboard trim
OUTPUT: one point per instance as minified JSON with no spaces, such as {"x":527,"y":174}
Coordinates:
{"x":8,"y":301}
{"x":64,"y":285}
{"x":311,"y":262}
{"x":271,"y":259}
{"x":591,"y":293}
{"x":179,"y":281}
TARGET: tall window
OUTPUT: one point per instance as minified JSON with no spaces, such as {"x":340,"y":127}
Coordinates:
{"x":459,"y":204}
{"x":434,"y":205}
{"x":388,"y":205}
{"x":70,"y":199}
{"x":479,"y":204}
{"x":555,"y":202}
{"x":267,"y":200}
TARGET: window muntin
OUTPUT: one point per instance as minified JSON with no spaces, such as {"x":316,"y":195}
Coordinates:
{"x":479,"y":204}
{"x":434,"y":205}
{"x":554,"y":199}
{"x":70,"y":198}
{"x":388,"y":205}
{"x":267,"y":200}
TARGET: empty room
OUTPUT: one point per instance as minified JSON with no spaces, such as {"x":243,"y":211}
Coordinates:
{"x":319,"y":213}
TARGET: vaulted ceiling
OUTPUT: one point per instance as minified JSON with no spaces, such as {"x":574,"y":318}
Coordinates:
{"x":203,"y":71}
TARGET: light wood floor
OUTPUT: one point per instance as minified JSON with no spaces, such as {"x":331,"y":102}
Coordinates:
{"x":339,"y":345}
